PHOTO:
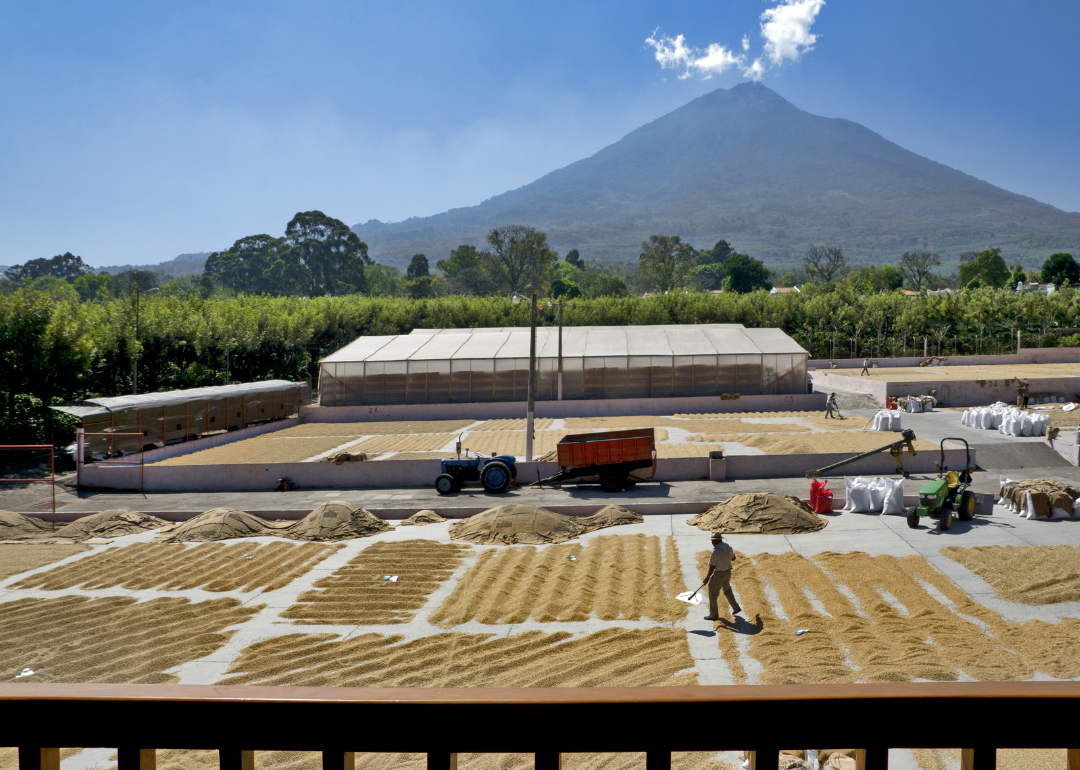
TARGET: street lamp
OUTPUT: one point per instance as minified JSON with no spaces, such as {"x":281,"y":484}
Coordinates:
{"x":135,"y":356}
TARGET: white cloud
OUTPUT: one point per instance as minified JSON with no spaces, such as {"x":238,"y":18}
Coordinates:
{"x":786,"y":29}
{"x":674,"y":53}
{"x":755,"y":70}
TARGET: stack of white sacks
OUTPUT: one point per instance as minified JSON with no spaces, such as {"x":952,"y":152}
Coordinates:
{"x":887,"y":420}
{"x":920,"y":403}
{"x":866,"y":494}
{"x":1008,"y":420}
{"x":1027,"y":511}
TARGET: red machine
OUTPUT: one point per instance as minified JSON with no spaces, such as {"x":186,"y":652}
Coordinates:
{"x":611,"y":457}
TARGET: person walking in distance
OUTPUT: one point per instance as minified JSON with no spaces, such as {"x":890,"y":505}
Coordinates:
{"x":719,"y":577}
{"x":865,"y":363}
{"x":830,"y":404}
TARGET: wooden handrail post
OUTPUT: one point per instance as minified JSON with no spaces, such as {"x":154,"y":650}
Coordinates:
{"x":441,"y":760}
{"x":658,"y":760}
{"x":1072,"y":759}
{"x":978,"y":758}
{"x":34,"y":758}
{"x":547,"y":760}
{"x":236,"y":759}
{"x":128,"y":758}
{"x":338,"y":760}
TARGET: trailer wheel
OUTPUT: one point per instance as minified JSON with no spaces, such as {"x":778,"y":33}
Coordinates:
{"x":496,"y":477}
{"x":444,"y":484}
{"x":612,"y":479}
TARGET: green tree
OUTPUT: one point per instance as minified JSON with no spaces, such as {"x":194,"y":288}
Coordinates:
{"x":65,"y":266}
{"x":247,"y":266}
{"x":418,"y":267}
{"x":665,"y":262}
{"x":716,"y":255}
{"x":1061,"y":269}
{"x":987,"y":265}
{"x":465,"y":271}
{"x":421,"y":287}
{"x":519,"y":260}
{"x":745,"y":274}
{"x":710,"y":276}
{"x":917,"y":266}
{"x":333,"y":258}
{"x":563,"y":289}
{"x":94,"y":286}
{"x":382,"y":280}
{"x":574,"y":258}
{"x":1016,"y":276}
{"x":824,"y":263}
{"x":596,"y":284}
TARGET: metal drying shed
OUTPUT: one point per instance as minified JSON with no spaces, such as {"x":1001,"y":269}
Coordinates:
{"x":436,"y":366}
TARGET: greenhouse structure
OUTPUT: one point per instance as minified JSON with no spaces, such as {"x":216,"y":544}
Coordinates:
{"x":441,"y":366}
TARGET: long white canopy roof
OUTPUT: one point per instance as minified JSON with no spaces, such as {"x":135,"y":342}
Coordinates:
{"x":174,"y":397}
{"x":578,"y":341}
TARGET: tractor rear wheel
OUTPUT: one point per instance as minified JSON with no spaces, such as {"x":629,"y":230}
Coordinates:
{"x":612,"y":479}
{"x":945,"y":521}
{"x":444,"y":483}
{"x":495,"y":477}
{"x":913,"y":520}
{"x":967,"y":507}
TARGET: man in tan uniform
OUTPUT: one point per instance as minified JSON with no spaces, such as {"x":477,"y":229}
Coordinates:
{"x":719,"y":576}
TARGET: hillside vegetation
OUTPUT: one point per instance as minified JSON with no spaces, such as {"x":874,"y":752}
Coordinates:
{"x":56,"y":348}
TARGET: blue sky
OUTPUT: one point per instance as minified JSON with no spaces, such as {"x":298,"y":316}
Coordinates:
{"x":132,"y":132}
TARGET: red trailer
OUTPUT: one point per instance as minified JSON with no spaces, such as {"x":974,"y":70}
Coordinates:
{"x":611,"y":457}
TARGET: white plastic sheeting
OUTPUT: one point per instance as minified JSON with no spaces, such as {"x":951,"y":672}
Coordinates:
{"x":433,"y":366}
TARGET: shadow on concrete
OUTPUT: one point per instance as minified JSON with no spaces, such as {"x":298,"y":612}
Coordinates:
{"x":742,"y":625}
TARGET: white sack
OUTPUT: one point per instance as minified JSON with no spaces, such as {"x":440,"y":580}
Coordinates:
{"x":877,"y":489}
{"x":894,"y":497}
{"x":859,"y":500}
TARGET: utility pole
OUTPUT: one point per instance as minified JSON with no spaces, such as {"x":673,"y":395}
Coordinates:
{"x":532,"y":385}
{"x":561,"y":350}
{"x":135,"y":352}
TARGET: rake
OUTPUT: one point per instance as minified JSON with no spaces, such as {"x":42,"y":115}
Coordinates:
{"x":691,"y":598}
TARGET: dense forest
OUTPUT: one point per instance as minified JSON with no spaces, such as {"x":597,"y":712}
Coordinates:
{"x":67,"y":333}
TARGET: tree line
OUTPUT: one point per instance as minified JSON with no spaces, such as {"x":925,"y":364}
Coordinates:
{"x":57,"y":348}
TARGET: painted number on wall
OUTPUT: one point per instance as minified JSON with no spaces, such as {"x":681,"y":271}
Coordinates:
{"x":373,"y":410}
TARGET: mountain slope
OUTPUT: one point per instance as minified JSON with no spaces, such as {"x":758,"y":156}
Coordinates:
{"x":184,"y":264}
{"x":746,"y":165}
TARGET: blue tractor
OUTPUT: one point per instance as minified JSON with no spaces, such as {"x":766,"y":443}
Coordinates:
{"x":495,"y":473}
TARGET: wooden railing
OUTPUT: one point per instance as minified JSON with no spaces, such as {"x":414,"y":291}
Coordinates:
{"x":977,"y":717}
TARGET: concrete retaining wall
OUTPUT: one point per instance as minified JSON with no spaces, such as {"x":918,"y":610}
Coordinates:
{"x":590,"y":408}
{"x":406,"y":474}
{"x":1025,"y":356}
{"x":1066,"y":449}
{"x":949,"y":392}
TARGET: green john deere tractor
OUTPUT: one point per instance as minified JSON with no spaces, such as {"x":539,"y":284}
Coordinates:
{"x":947,"y":494}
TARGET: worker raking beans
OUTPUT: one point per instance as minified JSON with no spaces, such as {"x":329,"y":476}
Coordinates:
{"x":719,"y":576}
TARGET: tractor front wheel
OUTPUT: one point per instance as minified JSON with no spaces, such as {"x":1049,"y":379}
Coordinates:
{"x":945,"y":521}
{"x":966,"y":510}
{"x":495,"y":477}
{"x":913,"y":520}
{"x":444,"y":484}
